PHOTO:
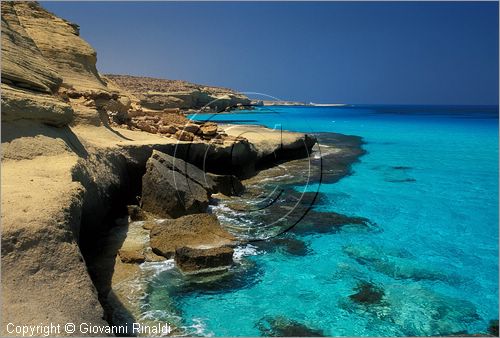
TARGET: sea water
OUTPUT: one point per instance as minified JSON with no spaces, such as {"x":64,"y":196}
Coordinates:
{"x":429,"y":181}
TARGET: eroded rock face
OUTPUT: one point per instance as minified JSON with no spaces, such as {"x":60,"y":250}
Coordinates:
{"x":183,"y":135}
{"x":199,"y":259}
{"x":45,"y":54}
{"x":194,"y":231}
{"x":23,"y":64}
{"x":60,"y":44}
{"x":24,"y":105}
{"x":168,"y":188}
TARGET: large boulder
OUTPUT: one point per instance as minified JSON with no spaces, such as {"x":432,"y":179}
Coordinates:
{"x":172,"y":187}
{"x":194,"y":231}
{"x":203,"y":259}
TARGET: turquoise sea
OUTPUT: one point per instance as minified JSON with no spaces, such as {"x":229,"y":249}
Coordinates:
{"x":429,"y":184}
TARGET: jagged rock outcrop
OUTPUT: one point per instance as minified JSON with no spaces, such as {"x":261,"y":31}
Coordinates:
{"x":194,"y":231}
{"x":159,"y":94}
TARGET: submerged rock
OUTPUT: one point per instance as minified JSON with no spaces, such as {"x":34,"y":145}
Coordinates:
{"x":196,"y":231}
{"x":323,"y":222}
{"x":412,"y":310}
{"x":493,"y":327}
{"x":367,"y":293}
{"x":396,"y":264}
{"x":199,"y":259}
{"x":422,"y":312}
{"x":281,"y":326}
{"x":402,"y":180}
{"x":288,"y":245}
{"x":244,"y":274}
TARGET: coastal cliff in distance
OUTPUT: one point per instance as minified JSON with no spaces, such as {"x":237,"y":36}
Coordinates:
{"x":160,"y":94}
{"x":74,"y":147}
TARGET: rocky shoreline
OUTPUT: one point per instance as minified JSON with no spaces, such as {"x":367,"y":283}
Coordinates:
{"x":75,"y":149}
{"x":194,"y":242}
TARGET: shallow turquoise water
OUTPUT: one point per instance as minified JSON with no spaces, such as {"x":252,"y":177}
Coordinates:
{"x":435,"y":253}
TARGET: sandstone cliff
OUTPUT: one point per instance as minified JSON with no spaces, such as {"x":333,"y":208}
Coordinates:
{"x":65,"y":168}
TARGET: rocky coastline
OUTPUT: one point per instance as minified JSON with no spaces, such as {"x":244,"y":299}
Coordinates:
{"x":78,"y":147}
{"x":106,"y":181}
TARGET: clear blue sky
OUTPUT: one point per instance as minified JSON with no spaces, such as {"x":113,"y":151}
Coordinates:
{"x":353,"y":52}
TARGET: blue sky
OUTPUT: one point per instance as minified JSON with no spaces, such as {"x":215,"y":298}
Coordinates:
{"x":352,"y":52}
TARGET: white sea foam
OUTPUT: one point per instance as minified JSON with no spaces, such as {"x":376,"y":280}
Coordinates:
{"x":198,"y":328}
{"x":153,"y":269}
{"x":244,"y":251}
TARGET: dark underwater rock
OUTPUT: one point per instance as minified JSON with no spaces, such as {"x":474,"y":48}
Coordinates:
{"x":493,"y":327}
{"x":288,"y":245}
{"x":367,"y":293}
{"x":280,"y":326}
{"x":413,"y":310}
{"x":396,"y":264}
{"x":242,"y":275}
{"x":324,"y":222}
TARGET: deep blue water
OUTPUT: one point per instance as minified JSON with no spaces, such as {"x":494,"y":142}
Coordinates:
{"x":429,"y":180}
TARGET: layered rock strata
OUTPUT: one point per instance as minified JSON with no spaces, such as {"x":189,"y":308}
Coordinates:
{"x":66,"y":169}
